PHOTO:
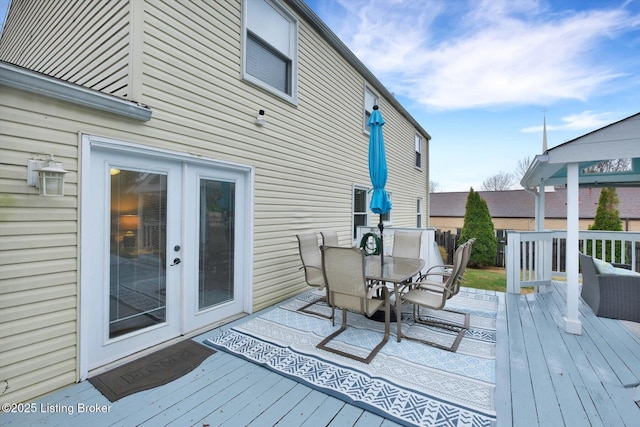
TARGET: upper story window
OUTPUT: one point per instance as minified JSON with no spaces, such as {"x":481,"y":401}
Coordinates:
{"x":270,"y":54}
{"x":418,"y":143}
{"x":370,"y":99}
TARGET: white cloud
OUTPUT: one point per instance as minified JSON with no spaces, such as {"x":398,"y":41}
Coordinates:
{"x":587,"y":120}
{"x":491,"y":53}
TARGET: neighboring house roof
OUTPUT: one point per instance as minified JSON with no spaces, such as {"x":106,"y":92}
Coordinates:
{"x":521,"y":204}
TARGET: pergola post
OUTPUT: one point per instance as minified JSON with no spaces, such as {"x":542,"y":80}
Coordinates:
{"x":572,"y":324}
{"x":539,"y":209}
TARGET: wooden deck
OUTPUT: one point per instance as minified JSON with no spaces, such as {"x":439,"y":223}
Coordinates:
{"x":544,"y":377}
{"x":550,"y":378}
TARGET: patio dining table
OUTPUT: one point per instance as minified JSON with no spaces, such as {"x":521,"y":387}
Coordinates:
{"x":394,"y":270}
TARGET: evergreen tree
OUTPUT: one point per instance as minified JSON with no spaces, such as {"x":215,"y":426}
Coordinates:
{"x":478,"y":224}
{"x":607,"y":218}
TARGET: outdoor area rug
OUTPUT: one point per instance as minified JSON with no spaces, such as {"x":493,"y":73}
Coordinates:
{"x":408,"y":382}
{"x":151,"y":371}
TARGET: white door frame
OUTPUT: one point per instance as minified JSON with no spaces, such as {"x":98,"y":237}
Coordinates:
{"x":86,"y":329}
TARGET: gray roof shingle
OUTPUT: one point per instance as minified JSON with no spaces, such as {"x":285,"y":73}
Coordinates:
{"x":520,"y":204}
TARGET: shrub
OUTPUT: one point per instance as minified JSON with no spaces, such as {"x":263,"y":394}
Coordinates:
{"x":478,"y":224}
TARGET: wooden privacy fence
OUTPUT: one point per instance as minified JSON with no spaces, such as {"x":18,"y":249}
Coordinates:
{"x":449,"y":242}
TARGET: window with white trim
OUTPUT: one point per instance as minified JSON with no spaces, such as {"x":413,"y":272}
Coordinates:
{"x":270,"y":37}
{"x":360,"y":210}
{"x":370,"y":99}
{"x":419,"y":213}
{"x":418,"y":145}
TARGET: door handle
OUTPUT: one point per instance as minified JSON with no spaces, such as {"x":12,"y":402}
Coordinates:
{"x":176,"y":261}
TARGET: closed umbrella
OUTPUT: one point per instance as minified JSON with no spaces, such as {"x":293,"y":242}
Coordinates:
{"x":380,"y":203}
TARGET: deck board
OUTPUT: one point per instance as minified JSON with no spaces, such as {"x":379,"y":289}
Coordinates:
{"x":573,"y":397}
{"x":544,"y":377}
{"x":541,"y":376}
{"x":503,"y":367}
{"x":573,"y":380}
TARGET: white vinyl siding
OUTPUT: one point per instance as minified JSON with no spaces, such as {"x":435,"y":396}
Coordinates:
{"x":82,"y":42}
{"x":38,"y":255}
{"x":307,"y":160}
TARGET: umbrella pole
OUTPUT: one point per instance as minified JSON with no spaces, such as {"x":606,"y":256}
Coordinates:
{"x":381,"y":228}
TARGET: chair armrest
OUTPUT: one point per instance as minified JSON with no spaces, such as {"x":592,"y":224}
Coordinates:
{"x":372,"y":290}
{"x":441,"y":266}
{"x":435,"y":273}
{"x":427,"y":285}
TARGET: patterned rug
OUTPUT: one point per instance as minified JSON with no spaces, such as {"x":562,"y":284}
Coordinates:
{"x":408,"y":382}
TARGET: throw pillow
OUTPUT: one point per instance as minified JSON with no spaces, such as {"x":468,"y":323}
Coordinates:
{"x":603,"y":267}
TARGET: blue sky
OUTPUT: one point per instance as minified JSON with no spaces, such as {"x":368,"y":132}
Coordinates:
{"x":477,"y":75}
{"x":4,"y":6}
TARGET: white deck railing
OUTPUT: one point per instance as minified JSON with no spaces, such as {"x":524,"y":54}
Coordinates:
{"x":533,"y":257}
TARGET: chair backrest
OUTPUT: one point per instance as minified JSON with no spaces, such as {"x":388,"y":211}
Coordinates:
{"x":453,"y":281}
{"x":590,"y":283}
{"x":329,"y":238}
{"x":465,"y":255}
{"x":407,"y":244}
{"x":468,"y":245}
{"x":344,"y":275}
{"x":311,"y":259}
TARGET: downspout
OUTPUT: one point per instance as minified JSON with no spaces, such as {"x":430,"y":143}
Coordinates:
{"x":539,"y":201}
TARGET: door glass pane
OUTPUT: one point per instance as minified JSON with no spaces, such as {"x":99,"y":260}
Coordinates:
{"x":216,"y":243}
{"x":138,"y":236}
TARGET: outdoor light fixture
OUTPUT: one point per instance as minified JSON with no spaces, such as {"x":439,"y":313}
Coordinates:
{"x":47,"y":175}
{"x":260,"y":121}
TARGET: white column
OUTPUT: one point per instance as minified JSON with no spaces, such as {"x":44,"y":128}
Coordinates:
{"x":540,"y":209}
{"x":572,"y":324}
{"x":541,"y":261}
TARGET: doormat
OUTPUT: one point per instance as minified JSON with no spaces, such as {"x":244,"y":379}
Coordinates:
{"x":152,"y":370}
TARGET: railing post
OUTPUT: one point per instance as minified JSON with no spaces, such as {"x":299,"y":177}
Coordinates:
{"x":512,"y":262}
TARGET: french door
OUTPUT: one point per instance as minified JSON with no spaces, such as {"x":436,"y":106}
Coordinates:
{"x":167,"y":253}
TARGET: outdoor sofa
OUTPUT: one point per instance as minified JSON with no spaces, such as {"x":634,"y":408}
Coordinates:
{"x":610,"y":291}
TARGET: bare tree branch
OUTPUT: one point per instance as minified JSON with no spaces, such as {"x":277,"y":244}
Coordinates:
{"x":521,"y":168}
{"x":614,"y":165}
{"x":498,"y":182}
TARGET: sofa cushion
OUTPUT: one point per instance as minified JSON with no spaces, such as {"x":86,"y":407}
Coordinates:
{"x":603,"y":267}
{"x":625,"y":272}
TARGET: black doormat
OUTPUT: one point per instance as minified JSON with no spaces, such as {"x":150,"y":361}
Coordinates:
{"x":152,"y":370}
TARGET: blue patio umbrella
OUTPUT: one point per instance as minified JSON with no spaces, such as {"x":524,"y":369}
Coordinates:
{"x":380,"y":203}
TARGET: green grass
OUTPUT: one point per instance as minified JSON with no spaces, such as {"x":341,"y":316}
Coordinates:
{"x":493,"y":279}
